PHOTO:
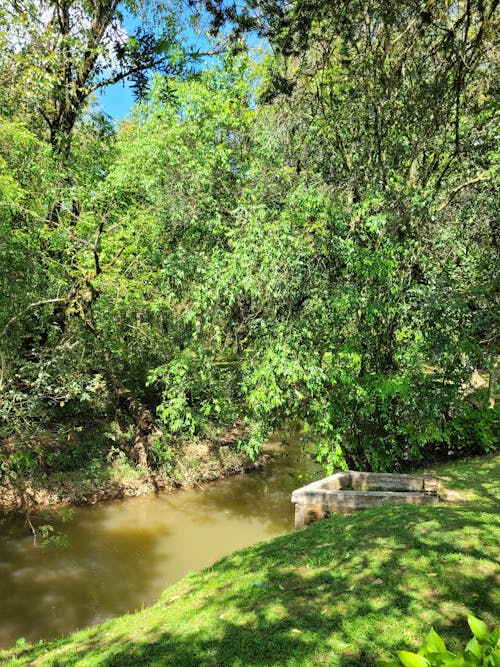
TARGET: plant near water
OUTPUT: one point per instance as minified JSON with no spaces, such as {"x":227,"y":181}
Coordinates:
{"x":483,"y":650}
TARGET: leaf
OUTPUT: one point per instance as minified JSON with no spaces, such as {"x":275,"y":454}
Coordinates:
{"x":384,"y":663}
{"x":478,"y":627}
{"x":474,"y":648}
{"x":455,"y":662}
{"x":412,"y":659}
{"x":434,"y":643}
{"x":495,"y":658}
{"x":449,"y":659}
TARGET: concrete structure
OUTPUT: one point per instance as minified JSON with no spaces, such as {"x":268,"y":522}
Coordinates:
{"x":353,"y":490}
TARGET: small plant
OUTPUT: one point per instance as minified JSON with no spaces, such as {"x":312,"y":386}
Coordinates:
{"x":50,"y":537}
{"x":483,"y":650}
{"x":161,"y":454}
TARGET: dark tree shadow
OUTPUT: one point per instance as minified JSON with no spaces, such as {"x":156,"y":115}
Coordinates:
{"x":344,"y":592}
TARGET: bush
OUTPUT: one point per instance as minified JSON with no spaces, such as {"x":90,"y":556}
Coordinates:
{"x":483,"y":650}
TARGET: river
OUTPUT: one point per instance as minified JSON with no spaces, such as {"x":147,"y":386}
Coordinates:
{"x":121,"y":554}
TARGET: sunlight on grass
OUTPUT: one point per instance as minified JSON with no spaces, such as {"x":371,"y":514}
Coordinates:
{"x":344,"y":592}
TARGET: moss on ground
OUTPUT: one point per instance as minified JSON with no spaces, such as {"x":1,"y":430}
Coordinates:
{"x":342,"y":592}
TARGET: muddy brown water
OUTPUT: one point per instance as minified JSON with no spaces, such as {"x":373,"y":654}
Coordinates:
{"x":122,"y":554}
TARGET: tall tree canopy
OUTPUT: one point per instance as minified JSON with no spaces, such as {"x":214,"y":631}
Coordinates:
{"x":58,"y":53}
{"x":307,"y":235}
{"x":391,"y":107}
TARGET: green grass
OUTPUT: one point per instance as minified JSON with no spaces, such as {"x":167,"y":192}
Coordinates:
{"x":342,"y":592}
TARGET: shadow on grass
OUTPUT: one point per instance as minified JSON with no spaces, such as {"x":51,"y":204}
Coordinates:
{"x":342,"y":592}
{"x":479,"y":477}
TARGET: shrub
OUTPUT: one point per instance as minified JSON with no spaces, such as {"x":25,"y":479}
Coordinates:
{"x":483,"y":650}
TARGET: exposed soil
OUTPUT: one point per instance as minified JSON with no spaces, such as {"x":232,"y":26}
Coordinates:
{"x":199,"y":462}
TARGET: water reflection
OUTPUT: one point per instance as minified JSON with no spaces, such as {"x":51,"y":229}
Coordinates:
{"x":121,"y":555}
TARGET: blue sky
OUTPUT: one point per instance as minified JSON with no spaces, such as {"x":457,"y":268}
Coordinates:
{"x":116,"y":100}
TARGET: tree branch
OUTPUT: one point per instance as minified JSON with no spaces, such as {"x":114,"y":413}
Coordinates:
{"x":25,"y":310}
{"x":125,"y":74}
{"x":472,"y":181}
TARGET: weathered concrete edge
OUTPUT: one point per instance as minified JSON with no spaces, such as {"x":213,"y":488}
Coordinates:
{"x":338,"y":476}
{"x":416,"y":483}
{"x":314,"y":501}
{"x":332,"y":497}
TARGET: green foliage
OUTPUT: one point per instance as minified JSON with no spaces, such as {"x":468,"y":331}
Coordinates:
{"x":483,"y":650}
{"x":280,"y":237}
{"x":50,"y":537}
{"x":161,"y":454}
{"x":475,"y":427}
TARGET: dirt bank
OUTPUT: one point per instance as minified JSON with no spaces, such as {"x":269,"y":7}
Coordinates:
{"x":199,"y":462}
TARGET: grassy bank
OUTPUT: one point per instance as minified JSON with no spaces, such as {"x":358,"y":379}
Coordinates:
{"x":341,"y":592}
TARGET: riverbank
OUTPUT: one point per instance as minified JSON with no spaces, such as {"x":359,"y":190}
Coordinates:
{"x":342,"y":592}
{"x":195,"y":463}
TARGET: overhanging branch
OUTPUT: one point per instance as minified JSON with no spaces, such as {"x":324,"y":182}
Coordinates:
{"x":472,"y":181}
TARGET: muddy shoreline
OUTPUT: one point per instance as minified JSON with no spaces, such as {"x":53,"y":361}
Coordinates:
{"x":198,"y":463}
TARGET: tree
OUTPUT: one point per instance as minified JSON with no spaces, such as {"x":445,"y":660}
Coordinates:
{"x":56,"y":150}
{"x":390,"y":105}
{"x":66,"y":50}
{"x":307,"y":237}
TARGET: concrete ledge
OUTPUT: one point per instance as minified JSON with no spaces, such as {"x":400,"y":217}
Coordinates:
{"x":353,"y":490}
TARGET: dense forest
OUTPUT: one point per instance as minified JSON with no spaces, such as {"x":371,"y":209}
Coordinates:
{"x":307,"y":230}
